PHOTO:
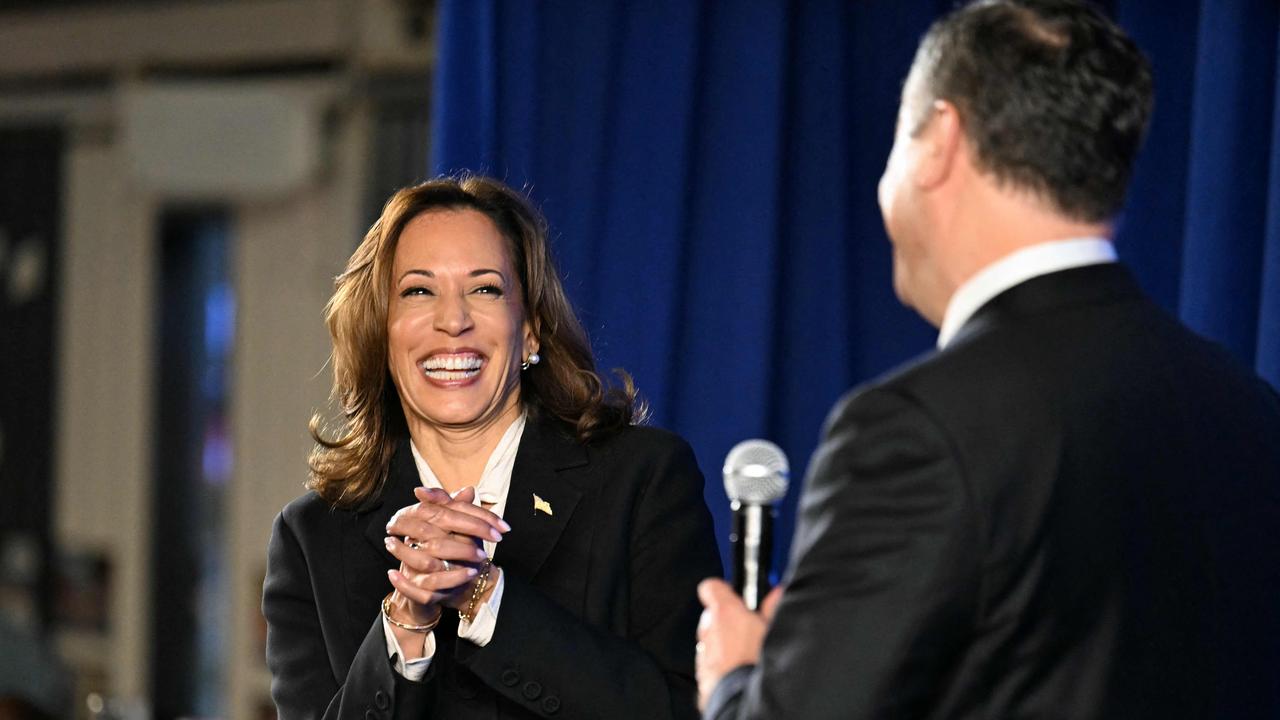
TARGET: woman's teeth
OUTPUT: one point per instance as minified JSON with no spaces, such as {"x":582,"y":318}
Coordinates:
{"x":451,"y":367}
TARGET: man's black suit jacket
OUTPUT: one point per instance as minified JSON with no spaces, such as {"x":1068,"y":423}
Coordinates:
{"x":598,"y":609}
{"x":1070,"y":512}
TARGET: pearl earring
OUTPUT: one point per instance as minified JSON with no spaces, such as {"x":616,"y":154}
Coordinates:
{"x":534,"y":359}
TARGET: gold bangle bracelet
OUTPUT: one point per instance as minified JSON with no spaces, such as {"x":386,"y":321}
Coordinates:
{"x":386,"y":613}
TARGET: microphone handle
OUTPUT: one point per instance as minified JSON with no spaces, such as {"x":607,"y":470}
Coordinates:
{"x":752,"y":541}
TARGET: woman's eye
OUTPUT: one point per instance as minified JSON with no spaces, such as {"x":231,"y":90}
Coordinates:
{"x":415,"y":290}
{"x":489,"y":290}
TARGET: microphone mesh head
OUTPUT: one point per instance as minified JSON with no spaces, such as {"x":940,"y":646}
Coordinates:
{"x":756,"y":473}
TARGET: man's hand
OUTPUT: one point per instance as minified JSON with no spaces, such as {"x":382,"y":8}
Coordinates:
{"x":729,"y":635}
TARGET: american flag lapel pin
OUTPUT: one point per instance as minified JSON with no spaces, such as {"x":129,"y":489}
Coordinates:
{"x":540,"y":505}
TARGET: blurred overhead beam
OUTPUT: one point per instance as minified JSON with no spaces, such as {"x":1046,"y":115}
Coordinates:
{"x":135,"y":38}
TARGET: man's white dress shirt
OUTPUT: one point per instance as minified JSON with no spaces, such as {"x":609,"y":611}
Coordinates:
{"x":1015,"y":268}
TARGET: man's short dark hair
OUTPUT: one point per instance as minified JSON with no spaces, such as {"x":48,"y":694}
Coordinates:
{"x":1052,"y":94}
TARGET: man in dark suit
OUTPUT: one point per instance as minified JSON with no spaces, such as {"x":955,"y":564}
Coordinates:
{"x":1070,"y":509}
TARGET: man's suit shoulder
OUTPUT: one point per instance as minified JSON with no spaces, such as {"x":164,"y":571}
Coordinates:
{"x":902,"y":389}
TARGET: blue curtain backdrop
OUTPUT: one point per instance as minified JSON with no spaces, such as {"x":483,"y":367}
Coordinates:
{"x":709,"y":173}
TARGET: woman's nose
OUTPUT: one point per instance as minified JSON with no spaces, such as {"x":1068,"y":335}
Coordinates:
{"x":453,"y":316}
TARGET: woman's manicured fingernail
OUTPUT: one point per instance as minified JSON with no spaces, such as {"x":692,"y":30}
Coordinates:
{"x":390,"y":543}
{"x":503,"y":524}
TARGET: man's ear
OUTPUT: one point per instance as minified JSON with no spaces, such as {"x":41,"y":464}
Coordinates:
{"x":941,"y":139}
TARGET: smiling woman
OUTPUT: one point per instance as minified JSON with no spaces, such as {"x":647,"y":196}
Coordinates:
{"x":456,"y":327}
{"x":489,"y":534}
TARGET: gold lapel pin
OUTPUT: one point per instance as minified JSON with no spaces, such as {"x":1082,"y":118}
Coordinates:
{"x":540,"y":504}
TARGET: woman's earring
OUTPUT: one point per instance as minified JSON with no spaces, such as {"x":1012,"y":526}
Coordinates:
{"x":534,"y":359}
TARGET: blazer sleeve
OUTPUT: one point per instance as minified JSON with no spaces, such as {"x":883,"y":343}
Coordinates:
{"x":547,"y":659}
{"x":883,"y":588}
{"x":303,"y":681}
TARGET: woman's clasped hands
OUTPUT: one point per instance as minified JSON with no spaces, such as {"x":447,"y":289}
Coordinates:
{"x":439,"y":543}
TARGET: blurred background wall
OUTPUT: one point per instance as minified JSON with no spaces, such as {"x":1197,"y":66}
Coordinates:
{"x":181,"y":182}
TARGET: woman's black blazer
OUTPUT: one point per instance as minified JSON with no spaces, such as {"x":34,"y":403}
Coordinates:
{"x":598,"y":610}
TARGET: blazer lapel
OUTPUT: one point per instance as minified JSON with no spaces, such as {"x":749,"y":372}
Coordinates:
{"x":541,"y":499}
{"x":396,"y":493}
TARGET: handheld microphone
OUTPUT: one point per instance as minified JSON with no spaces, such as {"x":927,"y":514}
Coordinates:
{"x":755,"y":477}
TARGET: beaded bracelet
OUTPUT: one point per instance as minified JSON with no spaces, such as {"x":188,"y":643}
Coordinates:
{"x":386,"y":613}
{"x":477,"y":590}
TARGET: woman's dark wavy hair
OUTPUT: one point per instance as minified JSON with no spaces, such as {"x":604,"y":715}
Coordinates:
{"x":350,"y":466}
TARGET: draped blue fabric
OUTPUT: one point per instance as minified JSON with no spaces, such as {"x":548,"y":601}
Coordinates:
{"x":709,"y":172}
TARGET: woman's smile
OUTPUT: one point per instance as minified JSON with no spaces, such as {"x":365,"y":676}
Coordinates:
{"x":452,"y":368}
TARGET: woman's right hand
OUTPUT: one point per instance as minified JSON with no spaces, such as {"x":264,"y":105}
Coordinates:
{"x":446,"y":531}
